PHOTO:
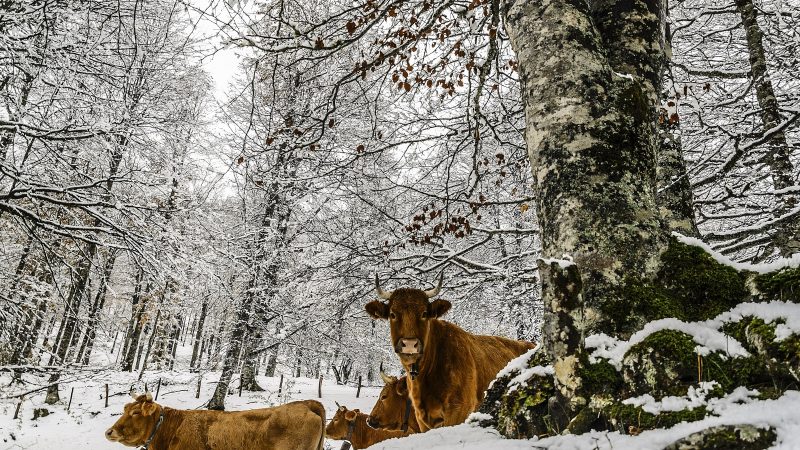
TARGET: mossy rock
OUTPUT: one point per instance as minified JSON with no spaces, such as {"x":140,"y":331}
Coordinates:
{"x":724,"y":437}
{"x":600,"y":377}
{"x":629,"y":419}
{"x":691,"y":285}
{"x":781,"y":359}
{"x":522,"y":412}
{"x":781,"y":285}
{"x":665,"y":363}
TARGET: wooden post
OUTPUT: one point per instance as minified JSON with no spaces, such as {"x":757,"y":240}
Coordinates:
{"x":158,"y":388}
{"x":358,"y":391}
{"x":199,"y":382}
{"x":71,"y":391}
{"x":106,"y":395}
{"x":280,"y":385}
{"x":319,"y":389}
{"x":16,"y":412}
{"x":240,"y":387}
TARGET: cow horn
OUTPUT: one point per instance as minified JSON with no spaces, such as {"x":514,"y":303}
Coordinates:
{"x":430,"y":293}
{"x":381,"y":293}
{"x":133,"y":394}
{"x":386,"y":378}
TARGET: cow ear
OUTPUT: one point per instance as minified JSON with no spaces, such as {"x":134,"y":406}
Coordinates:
{"x":377,"y":309}
{"x":439,"y":307}
{"x":149,"y":408}
{"x":350,"y":416}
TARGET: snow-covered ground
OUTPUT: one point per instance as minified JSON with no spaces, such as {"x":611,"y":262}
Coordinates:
{"x":88,"y":418}
{"x":83,"y":426}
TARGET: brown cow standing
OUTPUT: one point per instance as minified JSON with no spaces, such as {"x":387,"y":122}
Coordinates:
{"x":449,"y":368}
{"x":393,"y":410}
{"x":293,"y":426}
{"x":348,"y":425}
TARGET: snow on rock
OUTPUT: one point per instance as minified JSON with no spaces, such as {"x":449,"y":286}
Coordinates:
{"x":734,"y":409}
{"x":519,"y":363}
{"x":708,"y":338}
{"x":694,"y":398}
{"x":778,"y":264}
{"x":768,"y":312}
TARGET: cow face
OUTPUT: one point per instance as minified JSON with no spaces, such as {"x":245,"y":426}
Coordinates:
{"x":340,"y":424}
{"x":137,"y":422}
{"x":390,"y":409}
{"x":409,"y":312}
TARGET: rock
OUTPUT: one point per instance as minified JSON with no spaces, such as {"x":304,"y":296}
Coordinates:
{"x":40,"y":412}
{"x":723,"y":437}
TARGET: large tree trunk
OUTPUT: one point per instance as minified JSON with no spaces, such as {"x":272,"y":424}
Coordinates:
{"x":591,"y":99}
{"x":787,"y":239}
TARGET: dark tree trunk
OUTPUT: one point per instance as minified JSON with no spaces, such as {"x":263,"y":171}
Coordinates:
{"x":787,"y":239}
{"x":197,"y":351}
{"x":138,"y":308}
{"x":96,"y":307}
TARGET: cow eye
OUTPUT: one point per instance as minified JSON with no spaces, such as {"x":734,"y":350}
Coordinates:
{"x":424,"y":314}
{"x":392,"y":315}
{"x":383,"y":397}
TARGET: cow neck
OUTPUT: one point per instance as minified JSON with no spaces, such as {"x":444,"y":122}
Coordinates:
{"x":162,"y":431}
{"x":430,"y":361}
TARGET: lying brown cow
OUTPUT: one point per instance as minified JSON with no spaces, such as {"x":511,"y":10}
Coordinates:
{"x":449,"y":368}
{"x":348,"y":425}
{"x":393,"y":410}
{"x":293,"y":426}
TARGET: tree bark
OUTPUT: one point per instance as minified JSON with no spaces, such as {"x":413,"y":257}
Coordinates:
{"x":590,"y":95}
{"x":787,"y":239}
{"x":97,"y":306}
{"x":197,"y":352}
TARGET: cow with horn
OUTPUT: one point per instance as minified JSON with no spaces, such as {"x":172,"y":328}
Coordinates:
{"x":449,"y":368}
{"x":393,"y":410}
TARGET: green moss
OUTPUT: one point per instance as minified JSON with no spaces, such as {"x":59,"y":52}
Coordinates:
{"x":782,"y":285}
{"x":628,"y":418}
{"x":724,"y":437}
{"x":664,"y":363}
{"x":690,"y":286}
{"x":705,"y":287}
{"x":774,"y":363}
{"x":600,"y":378}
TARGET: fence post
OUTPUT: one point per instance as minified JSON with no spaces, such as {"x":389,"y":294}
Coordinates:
{"x":71,"y":391}
{"x":280,"y":385}
{"x":319,"y":389}
{"x":106,"y":395}
{"x":16,"y":412}
{"x":158,"y":388}
{"x":240,"y":387}
{"x":358,"y":391}
{"x":199,"y":382}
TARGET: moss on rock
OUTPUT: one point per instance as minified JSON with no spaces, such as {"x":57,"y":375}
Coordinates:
{"x":521,"y":412}
{"x":777,"y":362}
{"x":782,"y":285}
{"x":691,"y":285}
{"x":724,"y":437}
{"x":629,"y":419}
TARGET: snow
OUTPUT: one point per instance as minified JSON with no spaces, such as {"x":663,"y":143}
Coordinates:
{"x":778,"y":264}
{"x":519,"y":363}
{"x":734,"y":409}
{"x":708,"y":338}
{"x":706,"y":334}
{"x":84,"y":425}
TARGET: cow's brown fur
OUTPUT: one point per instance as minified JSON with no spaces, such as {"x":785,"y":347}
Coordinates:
{"x":293,"y":426}
{"x":455,"y":367}
{"x":389,"y":411}
{"x":363,"y":435}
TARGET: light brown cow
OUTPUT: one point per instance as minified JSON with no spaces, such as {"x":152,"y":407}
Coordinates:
{"x":293,"y":426}
{"x":348,"y":425}
{"x":449,"y":368}
{"x":393,"y":410}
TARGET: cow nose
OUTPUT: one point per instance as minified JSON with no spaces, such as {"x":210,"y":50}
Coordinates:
{"x":109,"y":433}
{"x":372,"y":422}
{"x":408,"y":346}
